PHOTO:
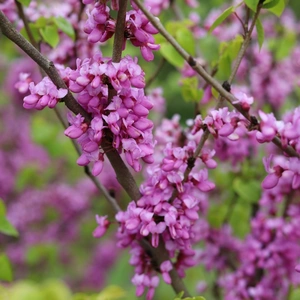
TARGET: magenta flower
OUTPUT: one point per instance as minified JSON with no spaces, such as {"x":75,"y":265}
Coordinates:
{"x":165,"y":268}
{"x":103,"y":225}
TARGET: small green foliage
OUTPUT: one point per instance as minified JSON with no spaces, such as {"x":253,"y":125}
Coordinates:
{"x":47,"y":29}
{"x":270,"y":3}
{"x":283,"y":47}
{"x":216,"y":214}
{"x":65,"y":26}
{"x":7,"y":228}
{"x":112,"y":292}
{"x":171,"y":55}
{"x":25,"y":2}
{"x":228,"y":51}
{"x":34,"y":31}
{"x":276,"y":7}
{"x":190,"y":90}
{"x":29,"y":176}
{"x":252,"y":4}
{"x":249,"y":191}
{"x":41,"y":252}
{"x":209,"y":48}
{"x":53,"y":289}
{"x":260,"y":33}
{"x":2,"y":208}
{"x":184,"y":37}
{"x":50,"y":35}
{"x":224,"y":15}
{"x":180,"y":295}
{"x":240,"y":219}
{"x":6,"y":273}
{"x":294,"y":294}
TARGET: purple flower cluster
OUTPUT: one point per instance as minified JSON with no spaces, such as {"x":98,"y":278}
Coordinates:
{"x":125,"y":116}
{"x":100,"y":27}
{"x":45,"y":93}
{"x":268,"y":259}
{"x":168,"y":211}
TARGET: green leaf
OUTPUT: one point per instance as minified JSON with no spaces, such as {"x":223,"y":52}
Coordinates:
{"x":224,"y":15}
{"x":26,"y":290}
{"x":50,"y":35}
{"x":224,"y":69}
{"x":173,"y":26}
{"x":252,"y":4}
{"x":186,"y":39}
{"x":65,"y":26}
{"x":216,"y":214}
{"x":7,"y":228}
{"x":248,"y":191}
{"x":294,"y":294}
{"x":260,"y":33}
{"x":171,"y":55}
{"x":41,"y":252}
{"x":278,"y":8}
{"x":270,"y":4}
{"x":240,"y":219}
{"x":34,"y":31}
{"x":2,"y":208}
{"x":41,"y":22}
{"x":25,"y":2}
{"x":190,"y":90}
{"x":179,"y":295}
{"x":209,"y":48}
{"x":56,"y":290}
{"x":6,"y":273}
{"x":111,"y":292}
{"x":282,"y":47}
{"x":29,"y":176}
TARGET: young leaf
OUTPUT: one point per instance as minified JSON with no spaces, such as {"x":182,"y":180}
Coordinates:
{"x":65,"y":26}
{"x":260,"y":33}
{"x":25,"y":2}
{"x":5,"y":268}
{"x":248,"y":191}
{"x":186,"y":39}
{"x":190,"y":90}
{"x":7,"y":228}
{"x":252,"y":4}
{"x":2,"y":208}
{"x":171,"y":55}
{"x":50,"y":35}
{"x":278,"y":8}
{"x":270,"y":4}
{"x":225,"y":14}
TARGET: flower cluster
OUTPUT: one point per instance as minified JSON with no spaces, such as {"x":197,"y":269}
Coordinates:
{"x":45,"y":93}
{"x":269,"y":250}
{"x":220,"y":122}
{"x":167,"y":212}
{"x":100,"y":27}
{"x":125,"y":116}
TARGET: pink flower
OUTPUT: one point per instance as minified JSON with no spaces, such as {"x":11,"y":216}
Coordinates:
{"x":103,"y":224}
{"x":165,"y":267}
